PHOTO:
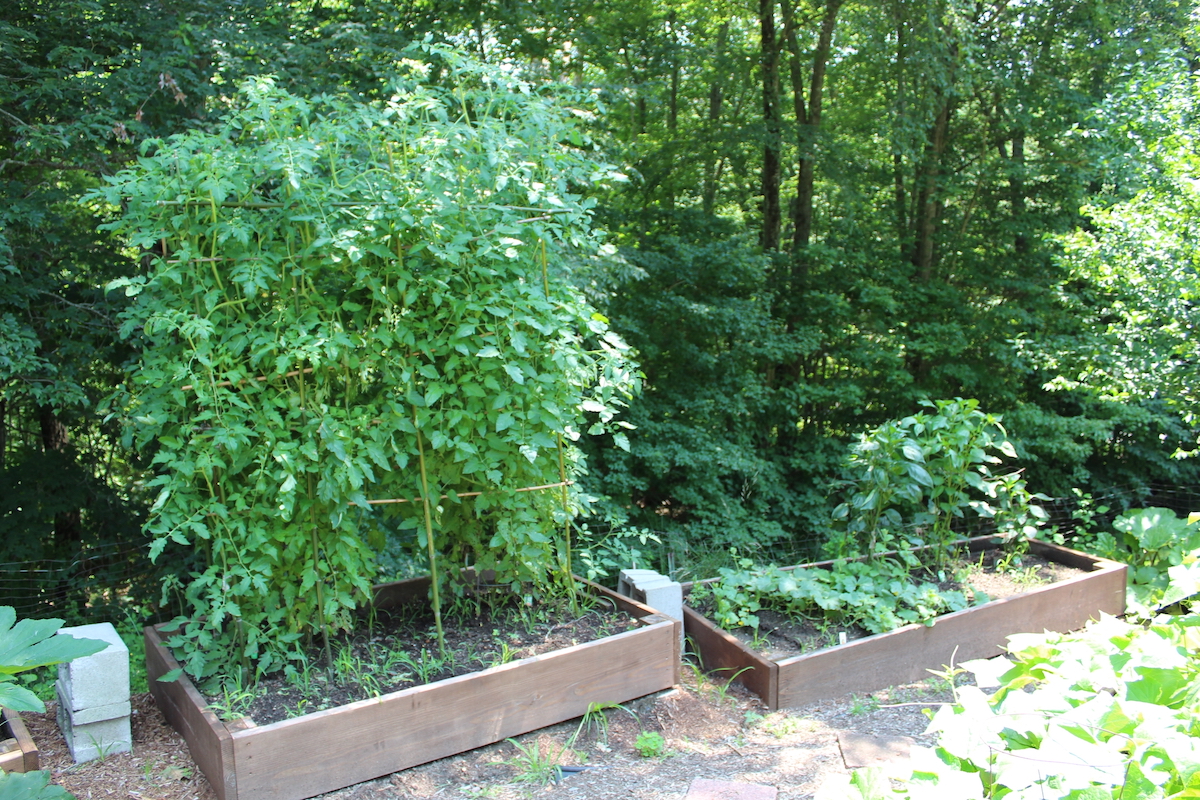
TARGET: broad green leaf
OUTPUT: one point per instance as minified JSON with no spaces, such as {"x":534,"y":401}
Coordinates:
{"x":33,"y":785}
{"x":32,"y":643}
{"x":18,"y":698}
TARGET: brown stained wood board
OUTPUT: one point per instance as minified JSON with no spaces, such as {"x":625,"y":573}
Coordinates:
{"x":327,"y":750}
{"x":376,"y":737}
{"x":18,"y":753}
{"x":723,"y":654}
{"x":907,"y":654}
{"x":185,"y":709}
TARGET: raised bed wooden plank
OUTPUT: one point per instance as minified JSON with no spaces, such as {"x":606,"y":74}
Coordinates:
{"x":187,"y":712}
{"x":320,"y":752}
{"x":906,"y":654}
{"x":721,"y":653}
{"x":18,"y":752}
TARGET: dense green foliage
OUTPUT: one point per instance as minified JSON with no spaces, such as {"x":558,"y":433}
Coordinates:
{"x":350,"y":326}
{"x":837,"y":211}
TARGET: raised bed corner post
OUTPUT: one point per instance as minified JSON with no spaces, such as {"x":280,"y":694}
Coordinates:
{"x":434,"y":578}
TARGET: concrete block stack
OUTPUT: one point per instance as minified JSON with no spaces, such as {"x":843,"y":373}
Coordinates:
{"x":93,"y":696}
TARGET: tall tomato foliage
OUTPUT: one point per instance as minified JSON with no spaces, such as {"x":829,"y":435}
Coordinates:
{"x":349,"y":303}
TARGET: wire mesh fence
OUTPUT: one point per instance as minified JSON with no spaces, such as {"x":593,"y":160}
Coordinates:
{"x":683,"y":555}
{"x":116,"y":580}
{"x":104,"y":582}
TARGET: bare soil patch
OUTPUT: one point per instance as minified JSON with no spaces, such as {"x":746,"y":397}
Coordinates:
{"x":396,"y":649}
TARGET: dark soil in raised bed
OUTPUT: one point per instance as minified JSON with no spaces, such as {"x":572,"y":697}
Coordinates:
{"x":781,"y":636}
{"x":395,"y":649}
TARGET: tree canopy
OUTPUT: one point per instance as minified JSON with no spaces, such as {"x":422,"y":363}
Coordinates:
{"x":835,"y":210}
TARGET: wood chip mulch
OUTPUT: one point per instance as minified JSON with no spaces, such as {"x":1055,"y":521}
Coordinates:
{"x":159,"y":768}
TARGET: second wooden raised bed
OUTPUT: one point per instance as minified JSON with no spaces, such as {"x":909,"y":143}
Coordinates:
{"x":906,"y":654}
{"x":327,"y":750}
{"x":18,"y":753}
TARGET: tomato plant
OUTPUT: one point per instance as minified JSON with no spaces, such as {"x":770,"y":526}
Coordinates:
{"x":355,"y":320}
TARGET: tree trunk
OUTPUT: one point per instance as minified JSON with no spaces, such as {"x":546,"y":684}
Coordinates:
{"x":771,"y":211}
{"x":929,"y":196}
{"x":712,"y":157}
{"x":898,"y":177}
{"x":1016,"y":183}
{"x":808,"y":114}
{"x":56,"y":438}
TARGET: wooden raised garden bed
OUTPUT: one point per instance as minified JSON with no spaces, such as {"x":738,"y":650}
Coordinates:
{"x":906,"y":654}
{"x":18,"y":753}
{"x":327,"y":750}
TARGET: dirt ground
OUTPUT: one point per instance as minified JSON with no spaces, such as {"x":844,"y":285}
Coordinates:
{"x":707,"y":730}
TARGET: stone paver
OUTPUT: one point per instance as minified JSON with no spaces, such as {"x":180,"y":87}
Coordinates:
{"x":705,"y":789}
{"x":861,"y":750}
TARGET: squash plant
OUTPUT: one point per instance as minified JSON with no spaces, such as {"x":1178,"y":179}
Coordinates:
{"x":1108,"y":713}
{"x":1163,"y":554}
{"x":354,"y":319}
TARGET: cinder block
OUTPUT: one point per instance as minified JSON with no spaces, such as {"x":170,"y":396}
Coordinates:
{"x":655,"y":590}
{"x":83,"y":716}
{"x":665,"y":596}
{"x":628,"y":577}
{"x":100,"y":679}
{"x":96,"y":739}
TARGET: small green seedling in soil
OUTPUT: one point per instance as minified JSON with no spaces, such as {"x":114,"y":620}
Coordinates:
{"x":721,"y":692}
{"x":650,"y":744}
{"x":534,"y":766}
{"x":863,"y":705}
{"x":948,"y":676}
{"x":596,"y":719}
{"x":778,"y":724}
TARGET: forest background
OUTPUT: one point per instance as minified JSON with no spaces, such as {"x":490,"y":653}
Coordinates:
{"x":834,"y":211}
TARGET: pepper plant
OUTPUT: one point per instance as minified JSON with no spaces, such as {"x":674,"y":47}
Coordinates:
{"x":910,"y":480}
{"x":355,"y":319}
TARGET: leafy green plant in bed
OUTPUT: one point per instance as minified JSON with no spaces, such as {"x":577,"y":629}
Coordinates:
{"x":354,"y":326}
{"x":1161,"y":550}
{"x":877,"y":595}
{"x":910,"y":480}
{"x":1106,"y":713}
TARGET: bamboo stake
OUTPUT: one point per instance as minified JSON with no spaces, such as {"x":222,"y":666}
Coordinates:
{"x":260,"y":378}
{"x":434,"y":578}
{"x":316,"y":544}
{"x":391,"y":500}
{"x":562,"y":468}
